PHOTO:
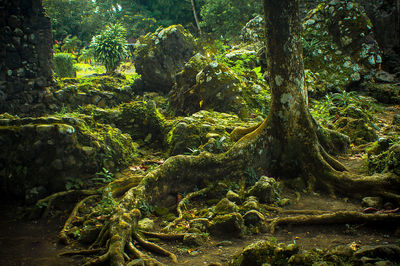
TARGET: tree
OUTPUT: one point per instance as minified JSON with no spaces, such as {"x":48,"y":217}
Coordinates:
{"x":286,"y":145}
{"x":110,"y":47}
{"x":73,"y":17}
{"x":226,"y":17}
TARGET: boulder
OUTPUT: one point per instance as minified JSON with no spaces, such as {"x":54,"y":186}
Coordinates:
{"x":146,"y":224}
{"x":225,"y":206}
{"x":359,"y":130}
{"x":387,"y":161}
{"x":195,"y":133}
{"x":253,"y":31}
{"x":231,"y":224}
{"x":160,"y":55}
{"x":211,"y":87}
{"x":266,"y":189}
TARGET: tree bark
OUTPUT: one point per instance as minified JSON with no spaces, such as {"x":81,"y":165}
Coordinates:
{"x":195,"y":16}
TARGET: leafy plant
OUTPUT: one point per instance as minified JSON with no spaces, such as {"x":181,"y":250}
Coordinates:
{"x":251,"y":176}
{"x":104,"y":177}
{"x":110,"y":47}
{"x":73,"y":183}
{"x":107,"y":203}
{"x":64,"y":65}
{"x":71,"y":44}
{"x":145,"y":208}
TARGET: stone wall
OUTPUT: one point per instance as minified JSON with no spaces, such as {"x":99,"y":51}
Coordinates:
{"x":25,"y":56}
{"x":385,"y":16}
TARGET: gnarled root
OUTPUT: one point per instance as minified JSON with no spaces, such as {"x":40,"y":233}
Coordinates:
{"x":182,"y":204}
{"x":63,"y":234}
{"x":340,"y":217}
{"x":72,"y":195}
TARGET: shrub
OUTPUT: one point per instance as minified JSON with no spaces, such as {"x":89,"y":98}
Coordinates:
{"x":64,"y":65}
{"x":110,"y":47}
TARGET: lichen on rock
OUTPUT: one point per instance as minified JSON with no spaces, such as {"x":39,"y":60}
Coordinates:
{"x":160,"y":55}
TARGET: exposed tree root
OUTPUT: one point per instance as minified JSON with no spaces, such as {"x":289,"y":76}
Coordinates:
{"x":154,"y":248}
{"x":182,"y":204}
{"x":139,"y":255}
{"x":163,"y":236}
{"x":340,"y":217}
{"x":73,"y":195}
{"x":63,"y":234}
{"x":82,"y":252}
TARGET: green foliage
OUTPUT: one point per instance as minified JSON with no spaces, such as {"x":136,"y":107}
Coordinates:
{"x":64,"y":65}
{"x":73,"y":183}
{"x":251,"y":176}
{"x":103,"y":177}
{"x":73,"y":17}
{"x":107,"y":203}
{"x":225,"y":18}
{"x":145,"y":208}
{"x":71,"y":44}
{"x":110,"y":47}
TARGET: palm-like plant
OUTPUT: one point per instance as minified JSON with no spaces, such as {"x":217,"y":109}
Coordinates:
{"x":110,"y":47}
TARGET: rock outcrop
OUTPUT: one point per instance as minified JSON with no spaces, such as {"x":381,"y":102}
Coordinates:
{"x":160,"y":55}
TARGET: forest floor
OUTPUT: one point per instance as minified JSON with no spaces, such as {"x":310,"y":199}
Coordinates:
{"x":35,"y":242}
{"x":26,"y":242}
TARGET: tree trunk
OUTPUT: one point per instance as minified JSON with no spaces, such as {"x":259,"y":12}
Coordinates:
{"x":195,"y":16}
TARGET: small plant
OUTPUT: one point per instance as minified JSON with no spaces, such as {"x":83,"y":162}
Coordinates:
{"x":107,"y":203}
{"x":64,"y":65}
{"x":251,"y":176}
{"x":110,"y":47}
{"x":103,"y":177}
{"x":145,"y":208}
{"x":77,"y":234}
{"x":71,"y":44}
{"x":73,"y":183}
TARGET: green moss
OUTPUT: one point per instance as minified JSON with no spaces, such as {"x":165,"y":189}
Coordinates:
{"x":359,"y":131}
{"x":52,"y":152}
{"x":388,"y":161}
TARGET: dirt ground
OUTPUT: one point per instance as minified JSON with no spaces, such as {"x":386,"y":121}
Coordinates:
{"x":25,"y":242}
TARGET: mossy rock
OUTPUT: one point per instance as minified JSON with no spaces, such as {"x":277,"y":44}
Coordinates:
{"x":58,"y":152}
{"x":388,"y":161}
{"x":99,"y":90}
{"x":383,"y":92}
{"x":225,"y":206}
{"x":266,"y":189}
{"x":213,"y":87}
{"x":140,"y":119}
{"x":253,"y":31}
{"x":339,"y":45}
{"x":193,"y":133}
{"x":231,"y":225}
{"x":160,"y":55}
{"x":265,"y":252}
{"x":359,"y":131}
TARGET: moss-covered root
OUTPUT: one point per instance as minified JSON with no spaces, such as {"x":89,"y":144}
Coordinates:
{"x":121,"y":226}
{"x":182,"y":204}
{"x":340,"y":217}
{"x":240,"y":132}
{"x":60,"y":197}
{"x":63,"y":233}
